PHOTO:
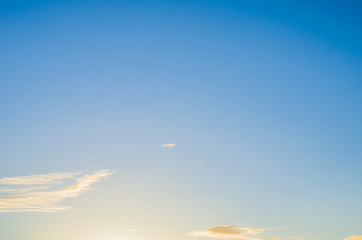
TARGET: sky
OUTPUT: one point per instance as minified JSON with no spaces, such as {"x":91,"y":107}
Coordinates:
{"x":182,"y":120}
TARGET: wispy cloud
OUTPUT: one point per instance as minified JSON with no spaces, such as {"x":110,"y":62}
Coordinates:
{"x":29,"y":199}
{"x":245,"y":233}
{"x":168,"y":145}
{"x":50,"y":178}
{"x":231,"y":232}
{"x":22,"y":189}
{"x":354,"y":237}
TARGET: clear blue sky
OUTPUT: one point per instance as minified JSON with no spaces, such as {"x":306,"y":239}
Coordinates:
{"x":262,"y":99}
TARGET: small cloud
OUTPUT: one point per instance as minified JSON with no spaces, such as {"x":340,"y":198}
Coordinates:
{"x":168,"y":145}
{"x":231,"y":232}
{"x":31,"y":199}
{"x":228,"y":232}
{"x":354,"y":237}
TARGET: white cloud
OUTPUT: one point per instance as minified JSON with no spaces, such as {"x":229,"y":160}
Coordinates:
{"x":231,"y":232}
{"x":28,"y":200}
{"x":168,"y":145}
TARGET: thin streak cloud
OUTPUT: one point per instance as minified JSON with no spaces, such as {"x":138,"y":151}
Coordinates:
{"x":23,"y":189}
{"x":50,"y":178}
{"x":46,"y":201}
{"x":231,"y":232}
{"x":168,"y":145}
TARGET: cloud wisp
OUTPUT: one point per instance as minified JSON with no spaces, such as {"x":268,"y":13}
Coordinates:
{"x":231,"y":232}
{"x":168,"y":145}
{"x":40,"y":179}
{"x":22,"y":193}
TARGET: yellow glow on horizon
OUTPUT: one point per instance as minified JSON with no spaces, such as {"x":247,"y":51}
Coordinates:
{"x":112,"y":236}
{"x":108,"y":237}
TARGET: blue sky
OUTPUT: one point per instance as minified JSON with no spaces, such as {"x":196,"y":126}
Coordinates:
{"x":262,"y":99}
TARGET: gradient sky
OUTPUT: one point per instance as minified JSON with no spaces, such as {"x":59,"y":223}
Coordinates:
{"x":259,"y":102}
